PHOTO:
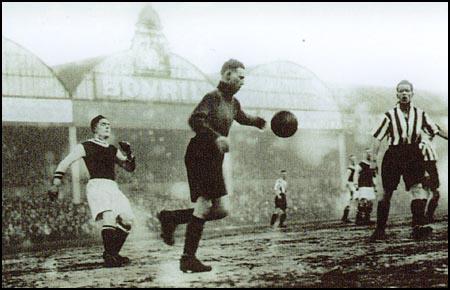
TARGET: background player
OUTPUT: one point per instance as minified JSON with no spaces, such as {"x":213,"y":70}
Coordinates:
{"x":106,"y":201}
{"x":211,"y":120}
{"x":403,"y":127}
{"x":431,"y":181}
{"x":280,"y":189}
{"x":350,"y":186}
{"x":365,"y":176}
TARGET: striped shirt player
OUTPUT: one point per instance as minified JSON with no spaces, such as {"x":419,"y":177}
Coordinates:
{"x":350,"y":185}
{"x":430,"y":158}
{"x":402,"y":127}
{"x":105,"y":199}
{"x":431,"y":179}
{"x":280,"y":190}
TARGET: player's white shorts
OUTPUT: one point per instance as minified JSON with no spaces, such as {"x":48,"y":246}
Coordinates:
{"x":366,"y":192}
{"x":105,"y":195}
{"x":209,"y":209}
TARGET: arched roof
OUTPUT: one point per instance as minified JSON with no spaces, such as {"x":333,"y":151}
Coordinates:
{"x":25,"y":75}
{"x":285,"y":85}
{"x":147,"y":72}
{"x":118,"y":77}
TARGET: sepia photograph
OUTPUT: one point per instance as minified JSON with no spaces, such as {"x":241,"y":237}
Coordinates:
{"x":224,"y":145}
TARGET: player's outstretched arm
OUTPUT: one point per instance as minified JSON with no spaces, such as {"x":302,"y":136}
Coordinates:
{"x":76,"y":154}
{"x":345,"y":180}
{"x":248,"y":120}
{"x":126,"y":160}
{"x":443,"y":133}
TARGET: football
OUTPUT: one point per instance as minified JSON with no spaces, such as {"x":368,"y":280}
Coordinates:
{"x":284,"y":124}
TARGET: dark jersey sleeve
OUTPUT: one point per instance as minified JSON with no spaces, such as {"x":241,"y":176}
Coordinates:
{"x":242,"y":117}
{"x":198,"y":120}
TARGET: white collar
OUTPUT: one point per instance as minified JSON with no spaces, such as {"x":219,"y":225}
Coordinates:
{"x":99,"y":142}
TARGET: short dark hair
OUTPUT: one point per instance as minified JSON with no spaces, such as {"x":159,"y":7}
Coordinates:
{"x":231,"y":64}
{"x":95,"y":121}
{"x":405,"y":82}
{"x":283,"y":171}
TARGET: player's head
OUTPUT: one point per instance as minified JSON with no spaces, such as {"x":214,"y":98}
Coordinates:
{"x":233,"y":73}
{"x":368,"y":154}
{"x":283,"y":173}
{"x":405,"y":92}
{"x":101,"y":127}
{"x":352,"y":158}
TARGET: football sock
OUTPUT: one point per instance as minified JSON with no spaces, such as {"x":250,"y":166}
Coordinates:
{"x":273,"y":219}
{"x":108,"y":236}
{"x":282,"y":219}
{"x":418,"y":211}
{"x":194,"y":231}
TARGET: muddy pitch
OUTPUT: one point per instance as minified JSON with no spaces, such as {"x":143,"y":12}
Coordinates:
{"x":303,"y":255}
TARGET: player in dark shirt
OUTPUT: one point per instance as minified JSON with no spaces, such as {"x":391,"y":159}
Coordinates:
{"x":365,"y":176}
{"x":105,"y":200}
{"x":211,"y":120}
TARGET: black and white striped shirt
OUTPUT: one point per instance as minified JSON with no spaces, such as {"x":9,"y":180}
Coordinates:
{"x":428,"y":151}
{"x":400,"y":128}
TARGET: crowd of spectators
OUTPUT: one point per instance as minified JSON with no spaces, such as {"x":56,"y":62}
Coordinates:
{"x":312,"y":193}
{"x":36,"y":219}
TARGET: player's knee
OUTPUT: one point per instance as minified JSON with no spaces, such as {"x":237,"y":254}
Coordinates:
{"x":125,"y":221}
{"x":418,"y":192}
{"x":436,"y":194}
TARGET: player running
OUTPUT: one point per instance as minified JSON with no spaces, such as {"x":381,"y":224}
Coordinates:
{"x":105,"y":199}
{"x":211,"y":120}
{"x":280,"y":189}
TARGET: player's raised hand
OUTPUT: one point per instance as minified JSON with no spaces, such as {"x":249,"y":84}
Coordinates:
{"x":126,"y":147}
{"x":373,"y":164}
{"x":260,"y":123}
{"x":222,"y":144}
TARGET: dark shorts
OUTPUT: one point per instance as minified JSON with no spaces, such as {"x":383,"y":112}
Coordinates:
{"x":433,"y":181}
{"x":402,"y":160}
{"x":204,"y":168}
{"x":281,"y":203}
